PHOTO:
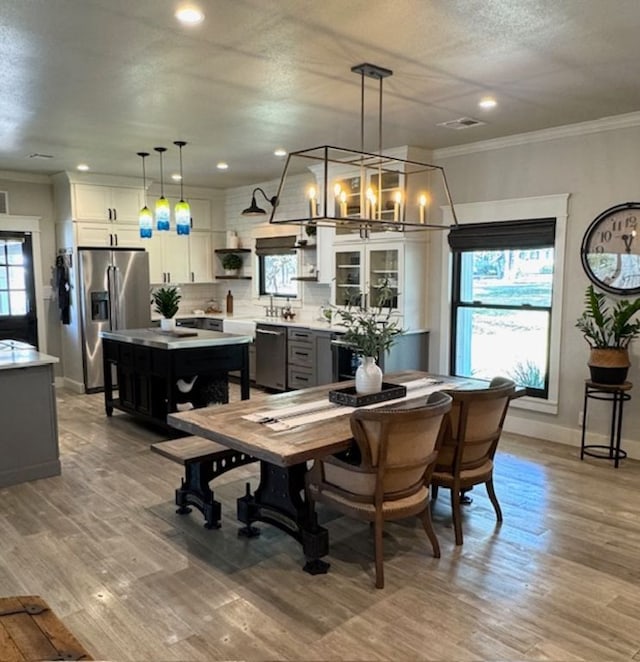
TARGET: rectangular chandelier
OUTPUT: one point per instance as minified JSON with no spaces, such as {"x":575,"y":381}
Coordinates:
{"x":357,"y":188}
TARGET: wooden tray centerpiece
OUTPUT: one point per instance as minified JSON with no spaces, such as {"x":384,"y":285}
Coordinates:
{"x":348,"y":396}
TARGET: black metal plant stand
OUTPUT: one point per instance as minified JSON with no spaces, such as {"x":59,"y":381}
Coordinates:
{"x":617,"y":394}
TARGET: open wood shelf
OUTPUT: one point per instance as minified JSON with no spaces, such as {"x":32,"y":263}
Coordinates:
{"x":308,"y":279}
{"x":223,"y":277}
{"x":222,"y":251}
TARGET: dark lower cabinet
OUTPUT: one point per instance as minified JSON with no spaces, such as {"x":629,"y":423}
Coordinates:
{"x":154,"y":382}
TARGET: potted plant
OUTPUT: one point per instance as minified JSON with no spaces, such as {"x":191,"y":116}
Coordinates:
{"x":166,"y":301}
{"x":370,"y":332}
{"x":608,"y":330}
{"x":231,"y":263}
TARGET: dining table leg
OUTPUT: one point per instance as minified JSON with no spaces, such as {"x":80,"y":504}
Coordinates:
{"x":279,"y":501}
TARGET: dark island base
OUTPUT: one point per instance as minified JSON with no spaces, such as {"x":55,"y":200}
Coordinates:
{"x":154,"y":382}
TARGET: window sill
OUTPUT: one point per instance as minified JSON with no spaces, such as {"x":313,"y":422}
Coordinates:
{"x":535,"y":404}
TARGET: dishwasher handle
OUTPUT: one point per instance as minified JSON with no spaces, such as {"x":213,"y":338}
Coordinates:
{"x":264,"y":332}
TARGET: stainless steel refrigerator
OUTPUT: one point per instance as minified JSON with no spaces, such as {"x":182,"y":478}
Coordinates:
{"x":114,"y":294}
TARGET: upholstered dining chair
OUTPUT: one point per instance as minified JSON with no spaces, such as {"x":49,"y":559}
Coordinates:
{"x":471,"y":432}
{"x":398,"y":449}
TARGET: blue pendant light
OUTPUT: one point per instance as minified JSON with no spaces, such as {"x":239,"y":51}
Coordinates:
{"x":145,"y":218}
{"x":163,"y":209}
{"x":182,"y":209}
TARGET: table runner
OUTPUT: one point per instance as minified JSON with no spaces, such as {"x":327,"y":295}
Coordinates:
{"x":289,"y":418}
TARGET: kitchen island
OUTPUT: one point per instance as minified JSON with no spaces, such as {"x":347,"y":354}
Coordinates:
{"x":159,"y":372}
{"x":29,"y":429}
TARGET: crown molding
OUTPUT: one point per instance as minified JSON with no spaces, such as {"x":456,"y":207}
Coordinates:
{"x":19,"y":176}
{"x":569,"y":130}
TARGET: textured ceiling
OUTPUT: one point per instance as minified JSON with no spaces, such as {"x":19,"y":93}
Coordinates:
{"x":96,"y":81}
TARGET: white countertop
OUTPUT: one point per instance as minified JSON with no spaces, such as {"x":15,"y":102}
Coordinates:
{"x":166,"y":340}
{"x":315,"y":324}
{"x":16,"y":354}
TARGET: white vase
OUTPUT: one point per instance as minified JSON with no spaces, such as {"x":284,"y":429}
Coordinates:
{"x":168,"y":324}
{"x":368,"y":376}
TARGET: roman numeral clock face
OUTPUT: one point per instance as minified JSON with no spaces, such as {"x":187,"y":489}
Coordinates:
{"x":611,"y":249}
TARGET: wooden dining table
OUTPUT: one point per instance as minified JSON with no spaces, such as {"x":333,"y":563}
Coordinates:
{"x":284,"y":432}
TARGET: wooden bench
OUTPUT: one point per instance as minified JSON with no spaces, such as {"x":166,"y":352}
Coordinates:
{"x":203,"y":461}
{"x":29,"y":631}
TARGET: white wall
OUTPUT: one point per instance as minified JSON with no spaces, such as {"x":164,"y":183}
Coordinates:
{"x":293,"y":203}
{"x":598,"y":169}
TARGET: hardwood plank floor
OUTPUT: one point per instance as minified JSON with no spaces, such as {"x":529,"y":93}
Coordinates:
{"x":559,"y":580}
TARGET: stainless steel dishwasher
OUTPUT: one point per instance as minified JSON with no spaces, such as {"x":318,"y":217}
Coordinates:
{"x":271,"y":356}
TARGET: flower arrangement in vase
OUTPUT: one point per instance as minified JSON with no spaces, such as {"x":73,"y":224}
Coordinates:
{"x":370,"y":332}
{"x":166,"y":302}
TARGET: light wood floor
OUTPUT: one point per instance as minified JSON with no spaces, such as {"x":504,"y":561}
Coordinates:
{"x":560,"y":580}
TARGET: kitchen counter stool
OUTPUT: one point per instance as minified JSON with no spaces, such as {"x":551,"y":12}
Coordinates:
{"x":617,"y":394}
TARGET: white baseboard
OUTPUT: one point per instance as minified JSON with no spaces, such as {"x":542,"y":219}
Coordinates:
{"x":71,"y":384}
{"x":563,"y":435}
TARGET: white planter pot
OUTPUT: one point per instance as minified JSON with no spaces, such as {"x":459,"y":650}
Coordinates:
{"x":168,"y":324}
{"x":368,"y":376}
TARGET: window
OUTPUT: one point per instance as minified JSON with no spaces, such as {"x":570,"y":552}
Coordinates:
{"x":493,"y":212}
{"x":277,"y":266}
{"x":13,"y":284}
{"x":501,"y":304}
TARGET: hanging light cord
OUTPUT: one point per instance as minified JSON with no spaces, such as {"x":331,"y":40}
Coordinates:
{"x":181,"y":193}
{"x":161,"y":178}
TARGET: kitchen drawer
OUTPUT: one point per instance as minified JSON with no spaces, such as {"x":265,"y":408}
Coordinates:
{"x":200,"y":361}
{"x":210,"y":325}
{"x":300,"y":353}
{"x":300,"y":378}
{"x":299,"y":334}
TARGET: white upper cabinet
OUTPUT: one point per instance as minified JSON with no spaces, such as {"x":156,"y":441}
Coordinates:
{"x":93,"y":202}
{"x":108,"y":234}
{"x":365,"y":271}
{"x":200,"y":214}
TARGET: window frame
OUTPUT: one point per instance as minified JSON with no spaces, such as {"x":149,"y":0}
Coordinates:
{"x":458,"y":304}
{"x":270,"y":246}
{"x":514,"y":209}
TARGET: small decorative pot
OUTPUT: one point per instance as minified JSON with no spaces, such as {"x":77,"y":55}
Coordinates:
{"x":609,"y":365}
{"x":168,"y":323}
{"x":368,"y":376}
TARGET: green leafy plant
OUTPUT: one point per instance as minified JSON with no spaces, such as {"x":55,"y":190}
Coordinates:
{"x":166,"y":301}
{"x":608,"y":327}
{"x":231,"y":261}
{"x":310,"y":229}
{"x":370,"y":331}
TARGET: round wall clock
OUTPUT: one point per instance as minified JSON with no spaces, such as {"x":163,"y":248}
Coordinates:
{"x":610,"y":249}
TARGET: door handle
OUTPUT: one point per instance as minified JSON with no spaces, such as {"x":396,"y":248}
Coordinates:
{"x":109,"y":211}
{"x":115,"y":214}
{"x":264,"y":332}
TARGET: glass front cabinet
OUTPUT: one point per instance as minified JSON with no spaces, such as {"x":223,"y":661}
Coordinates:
{"x":386,"y":274}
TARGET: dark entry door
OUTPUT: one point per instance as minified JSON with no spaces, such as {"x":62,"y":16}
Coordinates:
{"x":18,"y":320}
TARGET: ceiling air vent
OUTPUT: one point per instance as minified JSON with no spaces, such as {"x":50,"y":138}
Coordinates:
{"x":4,"y":202}
{"x":461,"y":123}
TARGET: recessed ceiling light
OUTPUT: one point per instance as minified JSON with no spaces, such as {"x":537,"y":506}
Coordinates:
{"x":189,"y":15}
{"x":176,"y":177}
{"x":222,"y":165}
{"x":488,"y":103}
{"x":82,"y":166}
{"x":280,"y":152}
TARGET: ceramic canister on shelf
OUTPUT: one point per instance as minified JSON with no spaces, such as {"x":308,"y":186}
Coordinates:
{"x":232,"y":239}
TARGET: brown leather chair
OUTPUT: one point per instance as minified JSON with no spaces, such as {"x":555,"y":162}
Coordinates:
{"x":471,"y":432}
{"x":398,"y":449}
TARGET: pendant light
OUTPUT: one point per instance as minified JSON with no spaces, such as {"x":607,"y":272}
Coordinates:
{"x":182,"y":209}
{"x":359,"y":189}
{"x":163,"y":209}
{"x":145,"y":218}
